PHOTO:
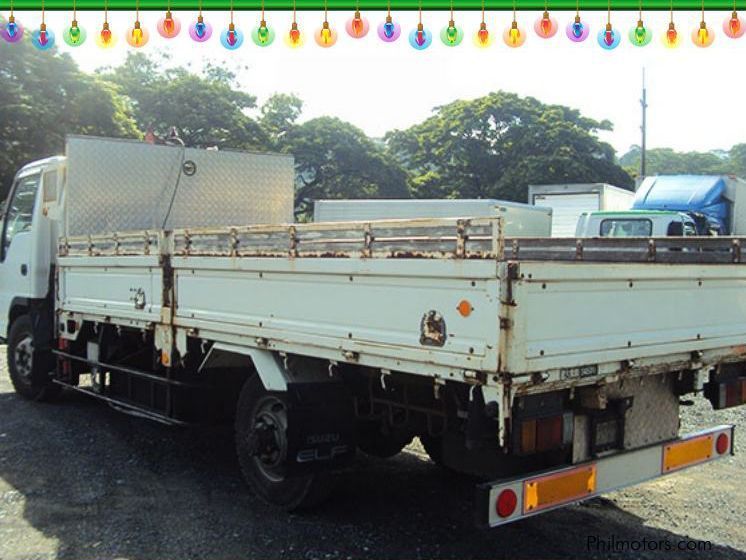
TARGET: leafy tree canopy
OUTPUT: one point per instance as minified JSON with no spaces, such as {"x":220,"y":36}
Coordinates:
{"x":665,"y":161}
{"x":334,"y":159}
{"x":495,"y":146}
{"x":279,"y":114}
{"x":208,"y":109}
{"x":45,"y":97}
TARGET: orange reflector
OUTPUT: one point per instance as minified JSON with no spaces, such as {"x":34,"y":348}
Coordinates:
{"x":688,"y":452}
{"x":464,"y":308}
{"x":559,"y":488}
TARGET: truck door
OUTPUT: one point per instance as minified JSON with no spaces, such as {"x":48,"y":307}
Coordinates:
{"x":16,"y":246}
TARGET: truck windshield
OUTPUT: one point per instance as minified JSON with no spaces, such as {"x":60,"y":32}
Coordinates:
{"x":626,"y":227}
{"x":20,"y":209}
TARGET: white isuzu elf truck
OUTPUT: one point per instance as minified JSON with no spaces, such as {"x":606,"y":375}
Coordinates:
{"x":171,"y":283}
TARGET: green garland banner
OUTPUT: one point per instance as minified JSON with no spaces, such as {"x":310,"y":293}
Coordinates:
{"x":378,"y":5}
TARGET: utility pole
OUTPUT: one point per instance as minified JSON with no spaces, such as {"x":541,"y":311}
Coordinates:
{"x":643,"y":129}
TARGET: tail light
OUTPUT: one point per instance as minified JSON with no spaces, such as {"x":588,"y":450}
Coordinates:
{"x":726,"y":393}
{"x":535,"y":435}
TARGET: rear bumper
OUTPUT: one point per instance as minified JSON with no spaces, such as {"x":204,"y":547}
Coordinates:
{"x":536,"y":493}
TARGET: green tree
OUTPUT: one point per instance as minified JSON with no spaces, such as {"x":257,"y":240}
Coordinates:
{"x":737,"y":160}
{"x":208,"y":109}
{"x":497,"y":145}
{"x":333,"y":159}
{"x":279,"y":114}
{"x":665,"y":161}
{"x":45,"y":97}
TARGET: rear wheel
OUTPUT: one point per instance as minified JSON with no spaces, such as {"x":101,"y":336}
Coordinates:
{"x":262,"y":447}
{"x":29,"y":368}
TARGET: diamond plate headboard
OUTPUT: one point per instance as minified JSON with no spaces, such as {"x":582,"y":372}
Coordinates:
{"x":123,"y":185}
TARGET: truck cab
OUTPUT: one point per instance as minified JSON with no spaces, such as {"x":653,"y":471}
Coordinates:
{"x":29,"y":229}
{"x":635,"y":223}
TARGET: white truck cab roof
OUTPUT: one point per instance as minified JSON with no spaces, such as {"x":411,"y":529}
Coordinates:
{"x":635,"y":223}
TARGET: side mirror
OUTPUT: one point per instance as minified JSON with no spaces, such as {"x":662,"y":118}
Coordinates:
{"x":675,"y":229}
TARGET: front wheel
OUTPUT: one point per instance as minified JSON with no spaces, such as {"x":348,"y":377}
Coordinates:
{"x":262,"y":446}
{"x":28,"y":367}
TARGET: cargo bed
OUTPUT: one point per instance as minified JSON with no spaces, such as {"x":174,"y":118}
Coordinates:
{"x":362,"y":293}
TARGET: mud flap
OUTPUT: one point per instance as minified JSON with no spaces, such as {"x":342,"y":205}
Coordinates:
{"x":320,"y":432}
{"x":481,"y":428}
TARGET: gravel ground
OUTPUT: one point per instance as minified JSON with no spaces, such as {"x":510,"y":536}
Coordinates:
{"x":81,"y":481}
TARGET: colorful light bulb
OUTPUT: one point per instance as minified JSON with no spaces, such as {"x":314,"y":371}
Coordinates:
{"x":168,"y":26}
{"x":639,"y":35}
{"x":546,"y":26}
{"x":325,"y":36}
{"x":482,"y":38}
{"x":389,"y":31}
{"x":577,"y":31}
{"x":200,"y":30}
{"x":74,"y":35}
{"x":106,"y":39}
{"x":262,"y":35}
{"x":137,"y":37}
{"x":703,"y":36}
{"x":609,"y":38}
{"x":231,"y":37}
{"x":11,"y":30}
{"x":42,"y":38}
{"x":671,"y":37}
{"x":514,"y":36}
{"x":733,"y":26}
{"x":357,"y":26}
{"x":420,"y":38}
{"x":451,"y":35}
{"x":294,"y":38}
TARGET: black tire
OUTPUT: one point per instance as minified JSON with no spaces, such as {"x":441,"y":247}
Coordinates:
{"x":264,"y":470}
{"x":29,"y":368}
{"x":373,"y":441}
{"x":433,"y":447}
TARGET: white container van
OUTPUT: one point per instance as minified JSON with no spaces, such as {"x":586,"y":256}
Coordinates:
{"x":569,"y":201}
{"x":519,"y":220}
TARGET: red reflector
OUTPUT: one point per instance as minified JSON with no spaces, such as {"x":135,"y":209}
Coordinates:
{"x":506,"y":503}
{"x":722,"y":444}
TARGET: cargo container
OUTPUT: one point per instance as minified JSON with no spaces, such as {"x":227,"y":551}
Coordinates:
{"x":569,"y":201}
{"x":519,"y":220}
{"x":716,"y":203}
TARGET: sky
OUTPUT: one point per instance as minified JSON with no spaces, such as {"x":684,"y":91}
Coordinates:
{"x":695,"y":96}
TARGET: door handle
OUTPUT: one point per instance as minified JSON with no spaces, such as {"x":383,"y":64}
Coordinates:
{"x":24,"y":270}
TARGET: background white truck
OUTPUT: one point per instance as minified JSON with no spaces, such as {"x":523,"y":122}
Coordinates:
{"x":569,"y":201}
{"x":521,"y":361}
{"x":635,"y":223}
{"x":518,"y":220}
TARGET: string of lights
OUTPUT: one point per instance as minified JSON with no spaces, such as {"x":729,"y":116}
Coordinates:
{"x":358,"y":26}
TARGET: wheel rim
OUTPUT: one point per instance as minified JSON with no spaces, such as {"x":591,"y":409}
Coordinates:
{"x":267,"y":439}
{"x":23,"y":356}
